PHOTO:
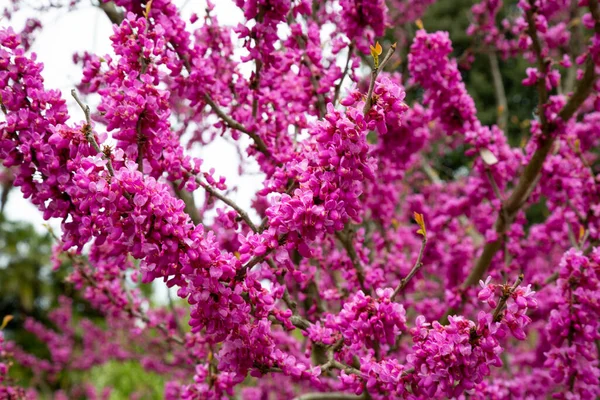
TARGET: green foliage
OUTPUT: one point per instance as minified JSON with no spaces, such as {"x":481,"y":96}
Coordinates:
{"x":25,"y":281}
{"x":127,"y":378}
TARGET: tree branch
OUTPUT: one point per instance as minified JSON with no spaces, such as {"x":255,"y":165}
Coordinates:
{"x":89,"y":134}
{"x":260,"y":144}
{"x":505,"y":295}
{"x":413,"y":271}
{"x":530,"y":174}
{"x":374,"y":74}
{"x":499,"y":91}
{"x":338,"y":87}
{"x":190,"y":203}
{"x":243,"y":214}
{"x":128,"y":308}
{"x":542,"y":65}
{"x":346,"y":241}
{"x":112,"y":12}
{"x":329,"y":396}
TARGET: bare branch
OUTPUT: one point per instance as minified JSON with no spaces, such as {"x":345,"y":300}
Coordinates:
{"x":346,"y":241}
{"x":338,"y":87}
{"x":174,"y":313}
{"x":243,"y":214}
{"x":89,"y":134}
{"x":85,"y":108}
{"x":374,"y":74}
{"x":504,"y":298}
{"x":260,"y":144}
{"x":256,"y":260}
{"x":496,"y":190}
{"x":413,"y":271}
{"x":502,"y":104}
{"x":542,"y":66}
{"x":112,"y":12}
{"x":322,"y":108}
{"x":128,"y":308}
{"x":575,"y":44}
{"x":530,"y":175}
{"x":190,"y":203}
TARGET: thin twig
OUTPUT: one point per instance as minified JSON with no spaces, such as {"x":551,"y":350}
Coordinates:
{"x":502,"y":104}
{"x":571,"y":236}
{"x":140,"y":138}
{"x":260,"y":144}
{"x":190,"y":203}
{"x":321,"y":107}
{"x":89,"y":134}
{"x":338,"y":87}
{"x":508,"y":291}
{"x":112,"y":12}
{"x":413,"y":271}
{"x":256,"y":260}
{"x":575,"y":44}
{"x":174,"y":313}
{"x":243,"y":214}
{"x":128,"y":308}
{"x":346,"y":241}
{"x":542,"y":65}
{"x":431,"y":173}
{"x":374,"y":74}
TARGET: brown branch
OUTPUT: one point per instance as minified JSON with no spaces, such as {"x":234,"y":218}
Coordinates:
{"x":256,"y":260}
{"x":530,"y":175}
{"x":374,"y":74}
{"x":243,"y":214}
{"x":128,"y":308}
{"x":346,"y":240}
{"x":89,"y":134}
{"x":575,"y":44}
{"x":338,"y":87}
{"x":140,"y":142}
{"x":174,"y":313}
{"x":260,"y":144}
{"x":593,"y":5}
{"x":254,"y":85}
{"x":508,"y":291}
{"x":321,"y":107}
{"x":333,"y":363}
{"x":502,"y":104}
{"x":112,"y":12}
{"x":542,"y":65}
{"x":413,"y":271}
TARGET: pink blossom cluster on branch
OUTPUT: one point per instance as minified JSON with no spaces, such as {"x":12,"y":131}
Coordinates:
{"x":327,"y":287}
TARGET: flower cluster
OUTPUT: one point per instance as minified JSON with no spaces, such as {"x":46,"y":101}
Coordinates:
{"x":573,"y":325}
{"x":315,"y":288}
{"x":358,"y":15}
{"x":367,"y":321}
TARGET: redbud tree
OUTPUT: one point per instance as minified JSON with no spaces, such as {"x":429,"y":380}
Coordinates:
{"x":360,"y":272}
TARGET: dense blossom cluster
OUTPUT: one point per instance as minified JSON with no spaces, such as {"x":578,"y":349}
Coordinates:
{"x":326,"y":286}
{"x":573,"y":325}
